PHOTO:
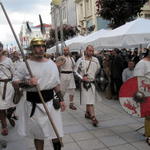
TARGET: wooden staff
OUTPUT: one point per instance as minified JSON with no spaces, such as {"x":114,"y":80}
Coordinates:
{"x":30,"y":73}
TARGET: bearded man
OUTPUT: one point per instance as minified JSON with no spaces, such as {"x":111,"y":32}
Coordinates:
{"x":86,"y":69}
{"x":66,"y":65}
{"x":33,"y":120}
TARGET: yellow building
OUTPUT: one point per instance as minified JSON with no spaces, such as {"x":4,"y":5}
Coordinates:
{"x":146,"y":10}
{"x":87,"y":17}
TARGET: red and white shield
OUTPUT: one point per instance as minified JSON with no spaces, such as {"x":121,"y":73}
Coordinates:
{"x":127,"y":92}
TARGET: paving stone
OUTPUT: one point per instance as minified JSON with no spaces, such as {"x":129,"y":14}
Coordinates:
{"x":112,"y":140}
{"x":74,"y":128}
{"x":132,"y":136}
{"x":121,"y":129}
{"x":82,"y":136}
{"x":141,"y":145}
{"x":102,"y":133}
{"x":67,"y":139}
{"x":123,"y":147}
{"x":71,"y":146}
{"x":90,"y":144}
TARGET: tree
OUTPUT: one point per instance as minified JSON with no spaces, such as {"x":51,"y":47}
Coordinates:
{"x":68,"y":31}
{"x":118,"y":12}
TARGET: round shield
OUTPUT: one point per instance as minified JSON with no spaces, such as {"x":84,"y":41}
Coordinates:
{"x":134,"y":96}
{"x":101,"y":80}
{"x":5,"y":73}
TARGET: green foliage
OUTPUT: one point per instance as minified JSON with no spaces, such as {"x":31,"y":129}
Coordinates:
{"x":68,"y":32}
{"x":118,"y":12}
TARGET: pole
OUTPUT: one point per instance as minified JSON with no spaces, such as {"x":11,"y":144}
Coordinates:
{"x":61,"y":29}
{"x":56,"y":31}
{"x":29,"y":70}
{"x":86,"y":31}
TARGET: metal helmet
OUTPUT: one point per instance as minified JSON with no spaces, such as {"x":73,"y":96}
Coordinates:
{"x":37,"y":41}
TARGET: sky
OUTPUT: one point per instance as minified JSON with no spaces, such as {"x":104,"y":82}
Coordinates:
{"x":20,"y":11}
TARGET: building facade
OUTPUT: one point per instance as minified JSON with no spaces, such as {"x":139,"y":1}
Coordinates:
{"x":66,"y":11}
{"x":87,"y":19}
{"x":146,"y":10}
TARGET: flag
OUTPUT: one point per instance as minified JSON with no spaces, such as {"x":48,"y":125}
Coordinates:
{"x":56,"y":2}
{"x":41,"y":25}
{"x":28,"y":27}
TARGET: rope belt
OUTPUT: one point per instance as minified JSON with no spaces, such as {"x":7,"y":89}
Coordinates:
{"x":34,"y":98}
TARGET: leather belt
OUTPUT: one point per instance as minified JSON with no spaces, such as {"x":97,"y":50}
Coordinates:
{"x":66,"y":72}
{"x":34,"y":98}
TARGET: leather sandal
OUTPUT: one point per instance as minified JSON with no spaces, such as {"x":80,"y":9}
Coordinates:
{"x":4,"y":131}
{"x":12,"y":122}
{"x":71,"y":106}
{"x":87,"y":115}
{"x":94,"y":121}
{"x":148,"y":140}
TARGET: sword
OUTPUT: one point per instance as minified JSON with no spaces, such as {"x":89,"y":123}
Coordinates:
{"x":30,"y":72}
{"x":4,"y":90}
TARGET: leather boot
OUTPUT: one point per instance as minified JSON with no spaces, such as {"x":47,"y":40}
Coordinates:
{"x":57,"y":145}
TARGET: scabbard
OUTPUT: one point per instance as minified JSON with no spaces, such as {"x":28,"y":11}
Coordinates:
{"x":80,"y":93}
{"x":4,"y":90}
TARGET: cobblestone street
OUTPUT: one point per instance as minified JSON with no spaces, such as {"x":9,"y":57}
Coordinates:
{"x":116,"y":130}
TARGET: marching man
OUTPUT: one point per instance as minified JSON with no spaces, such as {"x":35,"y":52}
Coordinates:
{"x":33,"y":120}
{"x":6,"y":91}
{"x":66,"y":65}
{"x":142,"y":68}
{"x":86,"y":69}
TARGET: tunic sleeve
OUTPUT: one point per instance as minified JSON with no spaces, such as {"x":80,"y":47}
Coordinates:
{"x":139,"y":69}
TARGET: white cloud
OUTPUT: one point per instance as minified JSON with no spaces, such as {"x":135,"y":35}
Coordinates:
{"x":20,"y":11}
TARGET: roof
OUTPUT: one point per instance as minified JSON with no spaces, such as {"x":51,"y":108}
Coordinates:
{"x":45,"y":25}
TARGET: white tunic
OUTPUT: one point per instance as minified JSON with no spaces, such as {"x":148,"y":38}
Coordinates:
{"x":88,"y":97}
{"x":67,"y":80}
{"x":8,"y":101}
{"x":127,"y":74}
{"x":38,"y":126}
{"x":142,"y":68}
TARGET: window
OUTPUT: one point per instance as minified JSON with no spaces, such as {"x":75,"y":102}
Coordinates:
{"x":64,"y":13}
{"x":88,"y":7}
{"x":147,"y":16}
{"x":81,"y":11}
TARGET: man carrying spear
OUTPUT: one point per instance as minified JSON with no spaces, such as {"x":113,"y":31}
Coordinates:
{"x":33,"y":120}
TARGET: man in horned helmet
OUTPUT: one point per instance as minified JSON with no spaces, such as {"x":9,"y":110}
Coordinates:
{"x":33,"y":120}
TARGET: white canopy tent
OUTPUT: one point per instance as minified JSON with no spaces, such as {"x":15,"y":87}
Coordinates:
{"x":75,"y":44}
{"x":131,"y":34}
{"x":91,"y":38}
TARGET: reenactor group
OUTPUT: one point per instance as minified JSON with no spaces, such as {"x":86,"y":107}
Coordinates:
{"x":20,"y":90}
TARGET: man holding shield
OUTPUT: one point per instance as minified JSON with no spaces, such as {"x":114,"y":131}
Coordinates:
{"x":142,"y":68}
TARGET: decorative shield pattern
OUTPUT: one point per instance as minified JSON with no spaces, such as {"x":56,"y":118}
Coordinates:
{"x":127,"y":93}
